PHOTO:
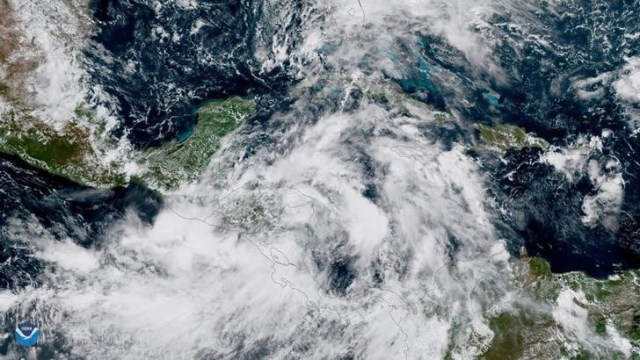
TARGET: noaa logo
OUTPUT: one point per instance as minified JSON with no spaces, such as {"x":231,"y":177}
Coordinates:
{"x":27,"y":334}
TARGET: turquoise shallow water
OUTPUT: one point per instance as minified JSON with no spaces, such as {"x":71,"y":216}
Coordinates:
{"x":332,"y":127}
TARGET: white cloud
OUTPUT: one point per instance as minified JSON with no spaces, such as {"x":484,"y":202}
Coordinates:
{"x":628,"y":85}
{"x":244,"y":257}
{"x":579,"y":159}
{"x":572,"y":314}
{"x":7,"y":300}
{"x":70,"y":256}
{"x":236,"y":256}
{"x":605,"y":205}
{"x":591,"y":88}
{"x":58,"y":30}
{"x":572,"y":161}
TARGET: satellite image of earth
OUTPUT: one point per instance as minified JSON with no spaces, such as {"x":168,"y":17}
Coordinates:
{"x":320,"y":179}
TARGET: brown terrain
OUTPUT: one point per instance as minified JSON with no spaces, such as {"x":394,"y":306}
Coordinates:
{"x":18,"y":57}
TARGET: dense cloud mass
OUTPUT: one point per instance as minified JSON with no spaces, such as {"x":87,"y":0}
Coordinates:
{"x":403,"y":159}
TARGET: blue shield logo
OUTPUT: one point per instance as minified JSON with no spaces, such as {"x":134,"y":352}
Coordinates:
{"x":27,"y":334}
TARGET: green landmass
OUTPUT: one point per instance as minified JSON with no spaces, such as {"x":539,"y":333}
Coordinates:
{"x":69,"y":152}
{"x":66,"y":153}
{"x":612,"y":304}
{"x":173,"y":164}
{"x":516,"y":332}
{"x":505,"y":136}
{"x":442,"y":117}
{"x":539,"y":267}
{"x":386,"y":94}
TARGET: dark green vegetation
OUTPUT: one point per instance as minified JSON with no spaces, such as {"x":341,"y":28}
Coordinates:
{"x":515,"y":333}
{"x":170,"y":165}
{"x":539,"y":267}
{"x":505,"y":136}
{"x":612,"y":305}
{"x":66,"y":152}
{"x":41,"y":143}
{"x":69,"y":152}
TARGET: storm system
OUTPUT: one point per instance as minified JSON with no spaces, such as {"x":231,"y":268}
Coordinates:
{"x":297,"y":179}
